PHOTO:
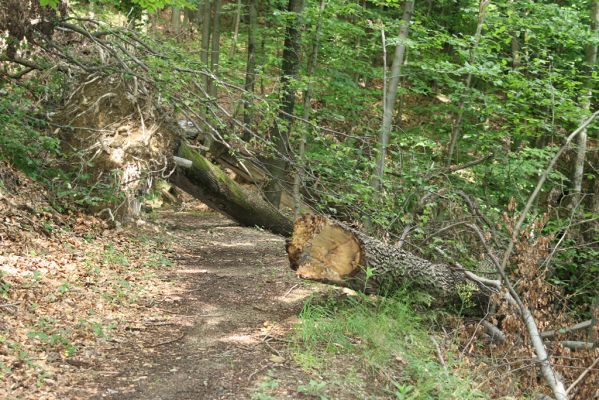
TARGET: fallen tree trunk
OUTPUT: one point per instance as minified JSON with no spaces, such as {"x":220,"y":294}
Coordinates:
{"x":211,"y":185}
{"x":329,"y":251}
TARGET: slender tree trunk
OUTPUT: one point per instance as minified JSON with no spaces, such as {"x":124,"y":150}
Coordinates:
{"x":212,"y":88}
{"x":581,"y":146}
{"x":515,"y":42}
{"x":205,"y":37}
{"x":250,"y":69}
{"x":457,"y":126}
{"x":289,"y":72}
{"x":176,"y":20}
{"x":215,"y":50}
{"x":154,"y":22}
{"x":299,"y":176}
{"x":187,"y":19}
{"x":516,"y":59}
{"x":263,"y":55}
{"x":391,"y":94}
{"x":236,"y":30}
{"x":204,"y":57}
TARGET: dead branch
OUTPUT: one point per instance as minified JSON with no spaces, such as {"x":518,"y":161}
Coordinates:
{"x":573,"y":328}
{"x":551,"y":377}
{"x":582,"y":376}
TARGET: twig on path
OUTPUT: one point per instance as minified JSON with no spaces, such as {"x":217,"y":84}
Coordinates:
{"x":159,"y":323}
{"x":168,"y":341}
{"x":276,"y":339}
{"x":257,"y":371}
{"x":11,"y":307}
{"x":175,"y":313}
{"x":290,"y":290}
{"x":440,"y":355}
{"x":271,"y":348}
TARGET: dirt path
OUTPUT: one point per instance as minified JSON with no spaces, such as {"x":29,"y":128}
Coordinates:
{"x":238,"y":297}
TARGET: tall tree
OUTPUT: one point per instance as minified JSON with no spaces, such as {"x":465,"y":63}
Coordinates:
{"x":312,"y":61}
{"x":250,"y":69}
{"x":289,"y":73}
{"x":215,"y":46}
{"x":390,"y":93}
{"x":456,"y":131}
{"x":212,"y":87}
{"x":176,"y":20}
{"x":236,"y":29}
{"x":205,"y":48}
{"x":591,"y":61}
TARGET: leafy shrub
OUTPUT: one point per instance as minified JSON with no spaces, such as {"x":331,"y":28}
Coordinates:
{"x":22,"y":142}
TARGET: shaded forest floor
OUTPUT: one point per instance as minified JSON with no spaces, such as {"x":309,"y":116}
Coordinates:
{"x":187,"y":305}
{"x":225,"y":326}
{"x":230,"y":328}
{"x":190,"y":305}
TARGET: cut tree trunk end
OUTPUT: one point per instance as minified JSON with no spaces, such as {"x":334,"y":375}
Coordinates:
{"x":329,"y":251}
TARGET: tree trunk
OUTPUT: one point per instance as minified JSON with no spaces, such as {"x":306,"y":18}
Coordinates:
{"x":212,"y":88}
{"x":211,"y":185}
{"x":187,"y":19}
{"x":250,"y":69}
{"x":205,"y":38}
{"x":456,"y":132}
{"x":299,"y":175}
{"x":581,"y":146}
{"x":235,"y":30}
{"x":516,"y":62}
{"x":289,"y":72}
{"x":391,"y":94}
{"x":515,"y":42}
{"x":176,"y":20}
{"x":331,"y":252}
{"x":215,"y":50}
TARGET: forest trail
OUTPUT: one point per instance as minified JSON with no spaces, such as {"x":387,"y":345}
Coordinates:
{"x":238,"y":297}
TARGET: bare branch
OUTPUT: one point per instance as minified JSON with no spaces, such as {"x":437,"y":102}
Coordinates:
{"x":582,"y":376}
{"x":551,"y":377}
{"x":573,"y":328}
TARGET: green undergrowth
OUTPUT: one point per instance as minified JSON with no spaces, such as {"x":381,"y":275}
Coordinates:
{"x":382,"y":340}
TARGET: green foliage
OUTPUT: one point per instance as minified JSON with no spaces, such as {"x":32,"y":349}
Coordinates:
{"x":26,"y":145}
{"x":313,"y":389}
{"x":51,"y":335}
{"x":378,"y":333}
{"x":21,"y":140}
{"x":265,"y":388}
{"x":49,"y":3}
{"x":135,"y":6}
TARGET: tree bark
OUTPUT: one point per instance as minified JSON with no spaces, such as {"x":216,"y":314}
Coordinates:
{"x":236,"y":30}
{"x":391,"y":94}
{"x":212,"y":88}
{"x":581,"y":146}
{"x":211,"y":185}
{"x":176,"y":20}
{"x":329,"y":251}
{"x":215,"y":50}
{"x":289,"y":72}
{"x":250,"y":69}
{"x":516,"y":62}
{"x":299,"y":175}
{"x":456,"y":132}
{"x":205,"y":47}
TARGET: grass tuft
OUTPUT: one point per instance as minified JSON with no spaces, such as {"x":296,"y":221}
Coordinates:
{"x":384,"y":338}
